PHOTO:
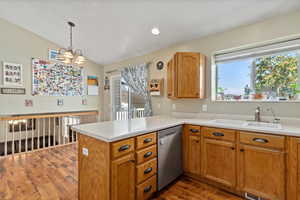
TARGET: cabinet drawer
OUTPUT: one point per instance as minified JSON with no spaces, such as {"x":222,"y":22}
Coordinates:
{"x":263,"y":140}
{"x":146,"y":154}
{"x":145,"y":140}
{"x":145,"y":190}
{"x":122,"y":147}
{"x":146,"y":170}
{"x":193,"y":130}
{"x":218,"y":133}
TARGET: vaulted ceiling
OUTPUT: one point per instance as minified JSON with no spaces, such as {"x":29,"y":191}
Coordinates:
{"x":112,"y":30}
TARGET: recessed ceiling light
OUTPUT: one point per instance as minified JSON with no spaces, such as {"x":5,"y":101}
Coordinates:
{"x":155,"y":31}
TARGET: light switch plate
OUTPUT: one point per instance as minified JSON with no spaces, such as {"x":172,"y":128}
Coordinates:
{"x":85,"y":151}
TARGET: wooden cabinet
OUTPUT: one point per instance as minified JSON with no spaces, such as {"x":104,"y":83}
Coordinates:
{"x":192,"y":149}
{"x":293,"y":168}
{"x":171,"y":77}
{"x":122,"y":170}
{"x":262,"y":172}
{"x":123,"y":178}
{"x":262,"y":165}
{"x":219,"y":161}
{"x":186,"y":75}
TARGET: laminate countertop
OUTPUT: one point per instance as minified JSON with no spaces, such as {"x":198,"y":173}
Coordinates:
{"x":111,"y":131}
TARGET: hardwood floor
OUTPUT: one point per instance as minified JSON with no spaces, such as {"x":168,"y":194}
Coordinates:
{"x":49,"y":174}
{"x":52,"y":175}
{"x":188,"y":189}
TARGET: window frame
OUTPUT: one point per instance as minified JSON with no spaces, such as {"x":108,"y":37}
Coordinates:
{"x":214,"y":81}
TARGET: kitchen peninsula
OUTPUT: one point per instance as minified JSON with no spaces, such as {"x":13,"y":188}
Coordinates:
{"x":118,"y":159}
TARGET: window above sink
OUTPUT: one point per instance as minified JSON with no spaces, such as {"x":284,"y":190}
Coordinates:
{"x":267,"y":72}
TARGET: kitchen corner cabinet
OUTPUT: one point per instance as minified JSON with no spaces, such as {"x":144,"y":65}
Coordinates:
{"x":186,"y":75}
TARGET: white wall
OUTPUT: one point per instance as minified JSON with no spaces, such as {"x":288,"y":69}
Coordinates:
{"x":276,"y":27}
{"x":18,"y":45}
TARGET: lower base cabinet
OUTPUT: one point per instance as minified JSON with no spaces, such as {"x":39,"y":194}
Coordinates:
{"x":219,"y":161}
{"x":245,"y":162}
{"x":262,"y":172}
{"x":293,"y":169}
{"x":123,"y":176}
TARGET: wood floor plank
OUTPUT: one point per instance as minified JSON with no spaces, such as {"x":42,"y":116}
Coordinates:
{"x":52,"y":174}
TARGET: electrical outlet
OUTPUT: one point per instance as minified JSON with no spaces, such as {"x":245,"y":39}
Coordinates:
{"x":60,"y":102}
{"x":158,"y":105}
{"x":28,"y":103}
{"x":85,"y":151}
{"x":84,"y":101}
{"x":204,"y":108}
{"x":173,"y":106}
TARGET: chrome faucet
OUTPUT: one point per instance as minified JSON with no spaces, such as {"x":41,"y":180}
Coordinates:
{"x":257,"y":117}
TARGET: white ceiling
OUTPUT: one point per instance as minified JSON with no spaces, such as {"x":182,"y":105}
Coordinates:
{"x":113,"y":30}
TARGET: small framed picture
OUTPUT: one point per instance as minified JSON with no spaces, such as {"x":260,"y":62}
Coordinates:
{"x":53,"y":54}
{"x":12,"y":74}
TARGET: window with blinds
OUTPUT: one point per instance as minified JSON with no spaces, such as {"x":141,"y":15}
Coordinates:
{"x":268,"y":72}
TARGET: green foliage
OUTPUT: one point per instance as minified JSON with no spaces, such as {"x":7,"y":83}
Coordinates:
{"x":277,"y":73}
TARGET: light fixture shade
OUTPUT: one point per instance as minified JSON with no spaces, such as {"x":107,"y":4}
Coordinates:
{"x":67,"y":61}
{"x":70,"y":55}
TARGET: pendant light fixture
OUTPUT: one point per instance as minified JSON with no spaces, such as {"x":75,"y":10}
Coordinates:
{"x":70,"y":55}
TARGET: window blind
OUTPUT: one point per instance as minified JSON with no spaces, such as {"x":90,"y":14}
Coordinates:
{"x":258,"y":50}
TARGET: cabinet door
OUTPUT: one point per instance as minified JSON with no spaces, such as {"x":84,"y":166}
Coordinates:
{"x":123,"y":178}
{"x":293,"y":170}
{"x":219,"y":161}
{"x":191,"y":146}
{"x":194,"y":155}
{"x":262,"y":172}
{"x":171,"y":77}
{"x":188,"y":73}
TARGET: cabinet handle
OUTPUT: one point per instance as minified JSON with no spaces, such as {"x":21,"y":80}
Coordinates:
{"x":218,"y":134}
{"x":260,"y":140}
{"x":124,"y":147}
{"x":147,"y":140}
{"x":148,"y":154}
{"x":194,"y":130}
{"x":232,"y":148}
{"x":132,"y":161}
{"x":242,"y":150}
{"x":148,"y":189}
{"x":147,"y":171}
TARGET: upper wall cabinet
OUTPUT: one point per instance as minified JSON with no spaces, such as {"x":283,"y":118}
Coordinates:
{"x":186,"y":75}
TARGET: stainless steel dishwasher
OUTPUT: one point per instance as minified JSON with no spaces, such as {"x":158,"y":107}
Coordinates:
{"x":169,"y":155}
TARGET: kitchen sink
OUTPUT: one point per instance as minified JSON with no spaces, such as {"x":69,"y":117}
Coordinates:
{"x":229,"y":122}
{"x":264,"y":125}
{"x":253,"y":124}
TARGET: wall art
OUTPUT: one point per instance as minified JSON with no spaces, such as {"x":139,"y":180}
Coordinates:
{"x":52,"y":54}
{"x":56,"y":79}
{"x":12,"y":74}
{"x":93,"y":85}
